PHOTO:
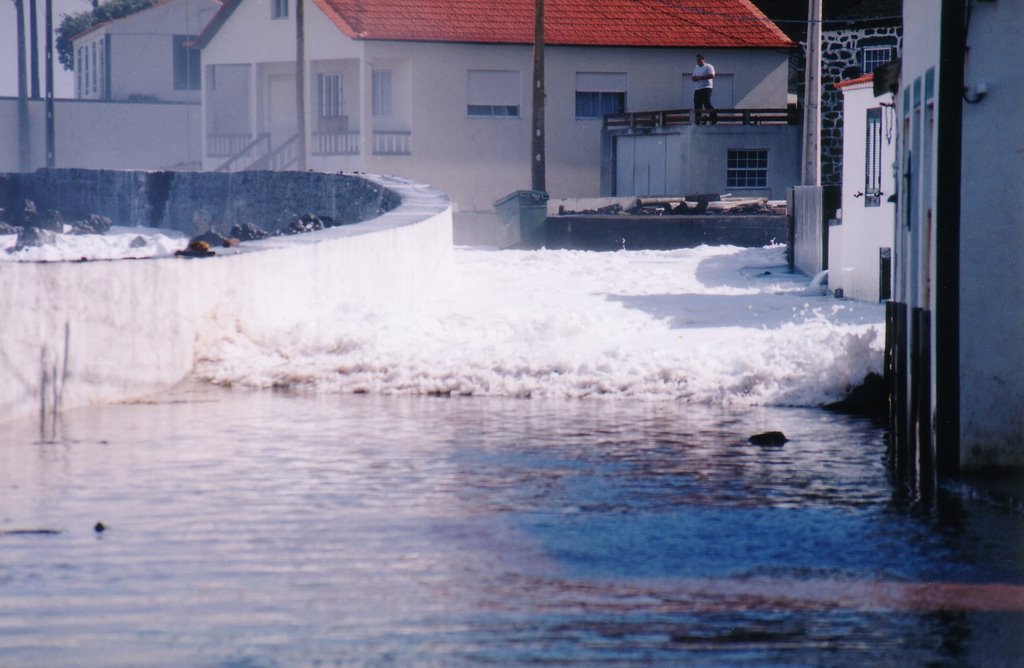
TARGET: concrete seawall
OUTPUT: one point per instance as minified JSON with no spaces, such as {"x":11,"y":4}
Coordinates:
{"x":78,"y":333}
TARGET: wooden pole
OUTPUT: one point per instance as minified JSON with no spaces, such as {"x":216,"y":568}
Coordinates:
{"x":300,"y":84}
{"x":34,"y":46}
{"x":537,"y":153}
{"x":51,"y":149}
{"x":811,"y":165}
{"x":24,"y":132}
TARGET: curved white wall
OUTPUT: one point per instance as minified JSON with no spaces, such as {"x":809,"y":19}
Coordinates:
{"x":76,"y":333}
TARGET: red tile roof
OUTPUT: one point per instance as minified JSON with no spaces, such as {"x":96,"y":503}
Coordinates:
{"x":867,"y":78}
{"x":637,"y":23}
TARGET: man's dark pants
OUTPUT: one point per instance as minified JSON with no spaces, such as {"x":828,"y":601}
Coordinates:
{"x":702,"y":100}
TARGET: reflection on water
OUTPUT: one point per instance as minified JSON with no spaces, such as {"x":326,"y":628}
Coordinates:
{"x":261,"y":529}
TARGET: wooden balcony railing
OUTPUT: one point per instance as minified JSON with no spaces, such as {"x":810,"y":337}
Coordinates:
{"x":659,"y":119}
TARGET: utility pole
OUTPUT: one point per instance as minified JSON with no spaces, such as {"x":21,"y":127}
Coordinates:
{"x":51,"y":150}
{"x":300,"y":84}
{"x":537,"y":153}
{"x":24,"y":132}
{"x":34,"y":45}
{"x":811,"y":169}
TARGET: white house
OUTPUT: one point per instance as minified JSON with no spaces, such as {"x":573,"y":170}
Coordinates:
{"x":143,"y":56}
{"x":441,"y":92}
{"x":860,"y":243}
{"x":958,"y":311}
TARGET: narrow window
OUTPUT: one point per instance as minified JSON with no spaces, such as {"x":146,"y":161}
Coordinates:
{"x":79,"y":71}
{"x":600,"y":93}
{"x":747,"y":168}
{"x":873,"y":158}
{"x":92,"y":61}
{"x":382,"y":92}
{"x":278,"y":9}
{"x":494,"y":93}
{"x":186,"y":64}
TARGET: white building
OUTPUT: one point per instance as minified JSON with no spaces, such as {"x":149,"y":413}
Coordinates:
{"x":860,"y":243}
{"x":441,"y":92}
{"x":143,"y":56}
{"x":958,"y":314}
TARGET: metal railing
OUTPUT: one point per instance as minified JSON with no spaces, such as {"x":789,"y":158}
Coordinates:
{"x":666,"y":118}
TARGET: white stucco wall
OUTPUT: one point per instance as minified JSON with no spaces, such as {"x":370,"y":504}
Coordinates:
{"x":853,"y":245}
{"x":106,"y":135}
{"x":992,"y":240}
{"x":78,"y":333}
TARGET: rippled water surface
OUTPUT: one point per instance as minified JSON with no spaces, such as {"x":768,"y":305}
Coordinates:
{"x":265,"y":529}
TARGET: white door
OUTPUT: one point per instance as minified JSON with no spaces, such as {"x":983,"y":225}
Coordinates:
{"x":282,"y":117}
{"x":641,"y":165}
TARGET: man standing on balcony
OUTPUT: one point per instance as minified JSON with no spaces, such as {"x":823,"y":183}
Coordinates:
{"x":704,"y":82}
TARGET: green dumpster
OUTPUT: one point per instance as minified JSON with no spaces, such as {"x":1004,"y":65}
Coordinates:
{"x":524,"y":211}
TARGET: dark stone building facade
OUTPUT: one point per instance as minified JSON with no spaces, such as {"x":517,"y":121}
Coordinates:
{"x":857,"y":36}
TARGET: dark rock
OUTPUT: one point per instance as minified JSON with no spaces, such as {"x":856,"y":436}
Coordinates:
{"x":137,"y":242}
{"x":869,"y":399}
{"x":768,"y":438}
{"x":92,"y":224}
{"x":196,"y":248}
{"x":31,"y":237}
{"x":26,"y":216}
{"x":307,"y":222}
{"x":100,"y":527}
{"x":51,"y":220}
{"x":248,"y":232}
{"x":9,"y":229}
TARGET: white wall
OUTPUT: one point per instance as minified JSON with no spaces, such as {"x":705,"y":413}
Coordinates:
{"x":79,"y":333}
{"x":106,"y":135}
{"x":992,"y":240}
{"x":853,"y":245}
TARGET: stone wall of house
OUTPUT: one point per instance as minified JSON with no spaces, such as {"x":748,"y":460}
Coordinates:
{"x":841,"y":60}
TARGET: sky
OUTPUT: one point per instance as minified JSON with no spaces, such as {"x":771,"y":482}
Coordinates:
{"x":63,"y":81}
{"x":717,"y":325}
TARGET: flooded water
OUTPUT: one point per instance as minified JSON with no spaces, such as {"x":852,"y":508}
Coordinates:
{"x":271,"y":529}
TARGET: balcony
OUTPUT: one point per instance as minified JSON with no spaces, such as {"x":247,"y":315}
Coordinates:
{"x":347,"y":143}
{"x":648,"y":120}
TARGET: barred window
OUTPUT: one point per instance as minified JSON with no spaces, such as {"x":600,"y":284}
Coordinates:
{"x":873,"y":158}
{"x":381,"y":92}
{"x":186,"y":63}
{"x":747,"y":168}
{"x":873,"y":56}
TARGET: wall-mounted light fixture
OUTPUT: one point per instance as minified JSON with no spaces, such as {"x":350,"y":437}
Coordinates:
{"x":974,"y":94}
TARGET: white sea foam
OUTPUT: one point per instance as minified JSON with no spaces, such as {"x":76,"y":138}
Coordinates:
{"x":721,"y":325}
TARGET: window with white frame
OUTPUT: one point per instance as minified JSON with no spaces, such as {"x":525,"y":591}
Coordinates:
{"x":329,"y":94}
{"x":494,"y":92}
{"x":80,"y":71}
{"x":278,"y":9}
{"x":600,"y":93}
{"x":94,"y":69}
{"x":382,"y":92}
{"x":873,"y":56}
{"x":747,"y":168}
{"x":873,"y":158}
{"x":186,"y":63}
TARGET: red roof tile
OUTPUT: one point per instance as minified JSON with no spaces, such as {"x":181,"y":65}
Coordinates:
{"x":867,"y":78}
{"x":638,"y":23}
